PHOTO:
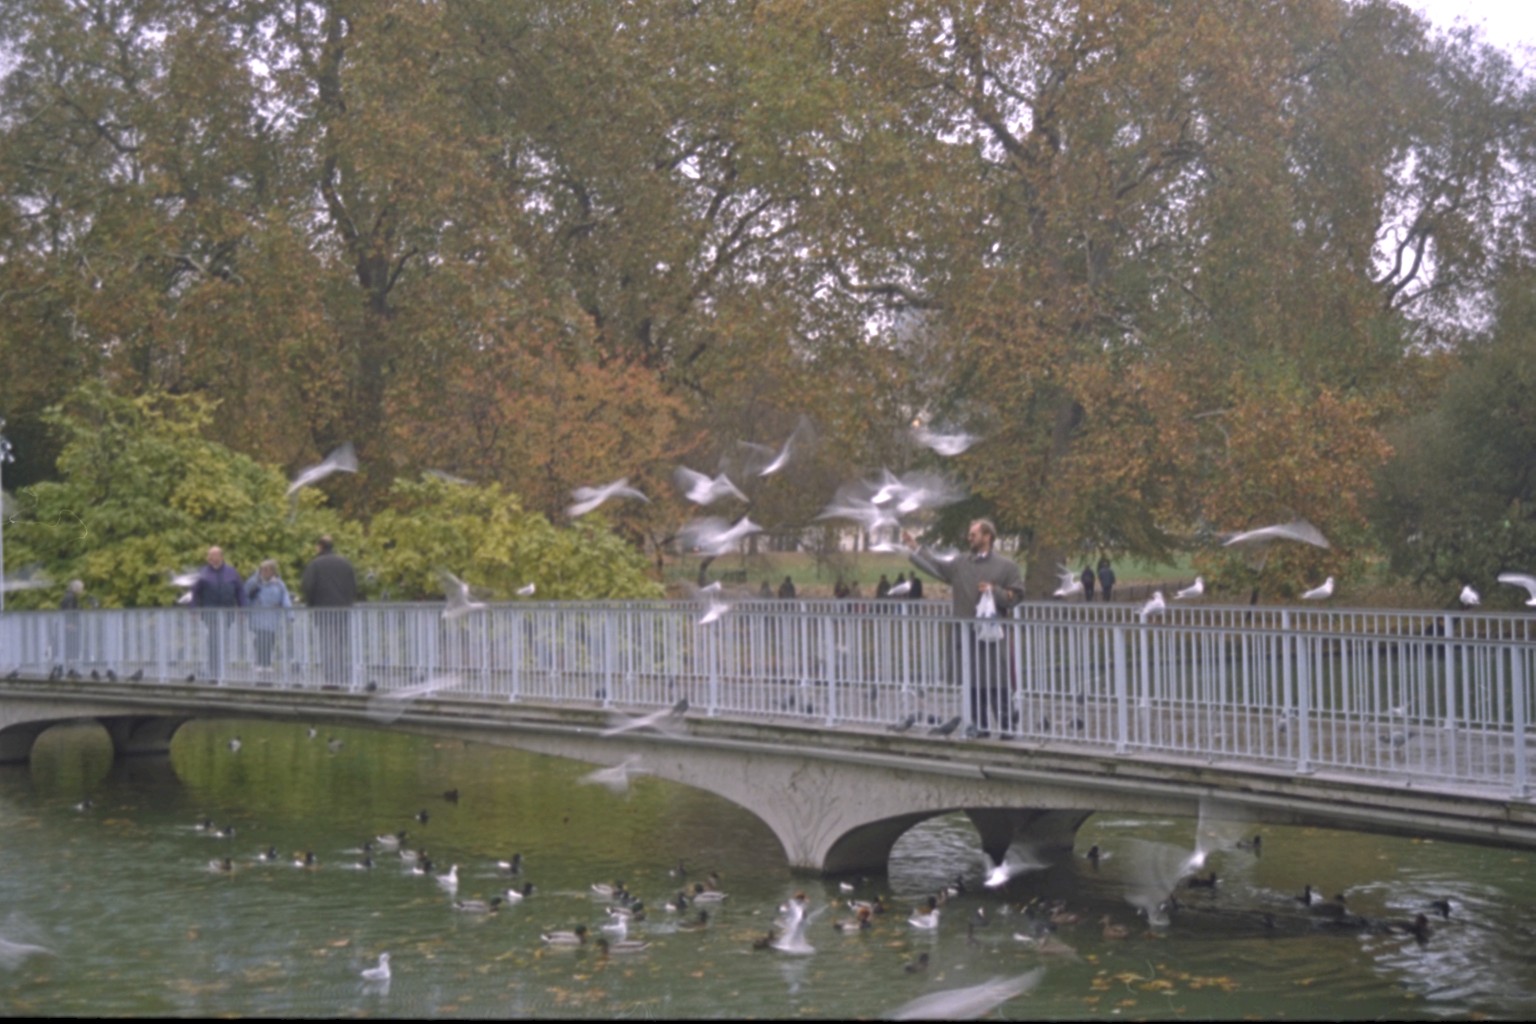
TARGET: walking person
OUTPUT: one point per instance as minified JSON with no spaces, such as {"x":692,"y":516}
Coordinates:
{"x":1106,"y":580}
{"x":330,"y":587}
{"x":1088,"y":583}
{"x":981,"y":574}
{"x":217,"y":589}
{"x":267,"y":595}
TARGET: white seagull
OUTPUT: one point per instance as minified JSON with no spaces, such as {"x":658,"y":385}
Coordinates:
{"x":1071,"y":583}
{"x":711,"y":535}
{"x":703,"y":490}
{"x":654,"y":718}
{"x":943,"y":444}
{"x":1155,"y":606}
{"x":379,"y":973}
{"x":588,"y":498}
{"x":1320,"y":593}
{"x":1300,"y":530}
{"x":526,"y":590}
{"x":1469,"y":597}
{"x":458,"y":600}
{"x":1195,"y":589}
{"x":342,"y":459}
{"x":1516,"y":579}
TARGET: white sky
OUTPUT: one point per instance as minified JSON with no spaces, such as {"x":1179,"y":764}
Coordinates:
{"x":1510,"y":24}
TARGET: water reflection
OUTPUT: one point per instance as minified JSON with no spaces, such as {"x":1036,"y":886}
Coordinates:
{"x":131,"y":920}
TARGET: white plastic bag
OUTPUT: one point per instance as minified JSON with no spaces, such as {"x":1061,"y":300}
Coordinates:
{"x":990,"y":631}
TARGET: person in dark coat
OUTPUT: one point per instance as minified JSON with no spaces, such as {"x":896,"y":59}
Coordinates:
{"x":218,"y":587}
{"x":1088,"y":583}
{"x":1106,"y":580}
{"x":329,"y":585}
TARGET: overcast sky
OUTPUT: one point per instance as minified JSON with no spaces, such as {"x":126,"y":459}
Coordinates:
{"x":1507,"y":23}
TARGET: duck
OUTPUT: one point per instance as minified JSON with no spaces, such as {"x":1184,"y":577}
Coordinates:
{"x":379,"y":973}
{"x":622,"y":947}
{"x":575,"y":937}
{"x":390,"y":842}
{"x":704,"y":894}
{"x":1094,"y":855}
{"x":221,"y":865}
{"x":874,"y":906}
{"x":268,"y":855}
{"x":449,"y":880}
{"x":608,"y":890}
{"x":227,"y":832}
{"x":1113,"y":931}
{"x":305,"y":859}
{"x":423,"y":866}
{"x":518,"y":895}
{"x":696,"y":924}
{"x":617,"y":926}
{"x":1419,"y":928}
{"x":512,"y":866}
{"x":917,"y":966}
{"x":1308,"y":896}
{"x":490,"y":906}
{"x":1255,"y":845}
{"x":422,"y":816}
{"x":1441,"y":907}
{"x":859,"y":923}
{"x":677,"y":903}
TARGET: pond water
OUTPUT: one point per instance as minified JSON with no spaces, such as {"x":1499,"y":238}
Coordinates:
{"x":114,"y":901}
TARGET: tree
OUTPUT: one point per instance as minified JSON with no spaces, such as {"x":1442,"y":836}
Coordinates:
{"x":483,"y":535}
{"x":142,"y":496}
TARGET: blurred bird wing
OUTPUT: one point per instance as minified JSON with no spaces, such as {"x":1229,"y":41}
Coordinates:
{"x":1300,"y":530}
{"x":1516,"y":579}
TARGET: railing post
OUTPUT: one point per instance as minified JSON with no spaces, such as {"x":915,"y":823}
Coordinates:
{"x":1298,"y":683}
{"x":1522,"y":788}
{"x":1122,"y":690}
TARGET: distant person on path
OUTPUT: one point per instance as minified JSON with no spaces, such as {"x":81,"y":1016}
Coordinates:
{"x":217,"y":587}
{"x":72,"y":601}
{"x":787,"y":589}
{"x":1106,"y":580}
{"x":330,"y":586}
{"x":268,"y":595}
{"x":883,"y":588}
{"x":840,"y":589}
{"x":1088,"y":583}
{"x":969,"y":576}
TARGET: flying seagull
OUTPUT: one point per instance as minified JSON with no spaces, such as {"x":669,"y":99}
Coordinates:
{"x":1320,"y":593}
{"x":1300,"y":530}
{"x":457,"y":593}
{"x":1516,"y":579}
{"x":342,"y":459}
{"x":703,"y":490}
{"x":656,"y":718}
{"x":942,"y":443}
{"x":588,"y":498}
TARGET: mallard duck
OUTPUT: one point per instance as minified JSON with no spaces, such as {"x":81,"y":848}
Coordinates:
{"x":622,"y":947}
{"x":489,"y":906}
{"x":576,"y":937}
{"x":1113,"y":931}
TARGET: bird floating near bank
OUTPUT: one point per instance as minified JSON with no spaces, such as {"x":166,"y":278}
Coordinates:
{"x":588,"y":498}
{"x":1192,"y":591}
{"x":342,"y":459}
{"x":1321,"y":592}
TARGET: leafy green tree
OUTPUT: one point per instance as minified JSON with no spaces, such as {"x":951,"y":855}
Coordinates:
{"x":142,"y":496}
{"x":483,"y":535}
{"x":1457,"y":501}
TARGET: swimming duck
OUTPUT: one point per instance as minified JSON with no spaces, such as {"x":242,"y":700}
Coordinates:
{"x":917,"y":966}
{"x":518,"y":895}
{"x":512,"y":867}
{"x":423,"y":866}
{"x":859,"y":923}
{"x":677,"y":903}
{"x":269,"y":854}
{"x":422,"y":816}
{"x":606,"y":890}
{"x":1308,"y":896}
{"x":622,"y":947}
{"x":1256,"y":844}
{"x":489,"y":906}
{"x":449,"y":880}
{"x":221,"y":865}
{"x":704,"y":894}
{"x":390,"y":842}
{"x":379,"y":973}
{"x":1114,"y":931}
{"x":926,"y":918}
{"x":576,"y":937}
{"x":874,"y":906}
{"x":697,"y":924}
{"x":305,"y":860}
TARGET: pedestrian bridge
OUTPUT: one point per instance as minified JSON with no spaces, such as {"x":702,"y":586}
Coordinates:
{"x":841,"y":725}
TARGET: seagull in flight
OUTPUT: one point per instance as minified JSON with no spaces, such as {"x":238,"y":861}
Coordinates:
{"x":711,"y":536}
{"x":457,"y":593}
{"x":703,"y":490}
{"x":944,"y":444}
{"x":588,"y":498}
{"x":1321,"y":592}
{"x":654,"y":718}
{"x":1300,"y":530}
{"x":1195,"y":589}
{"x":342,"y":459}
{"x":1516,"y":579}
{"x":1070,"y":583}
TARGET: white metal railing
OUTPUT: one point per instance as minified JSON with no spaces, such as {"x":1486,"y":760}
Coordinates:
{"x":1442,"y":700}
